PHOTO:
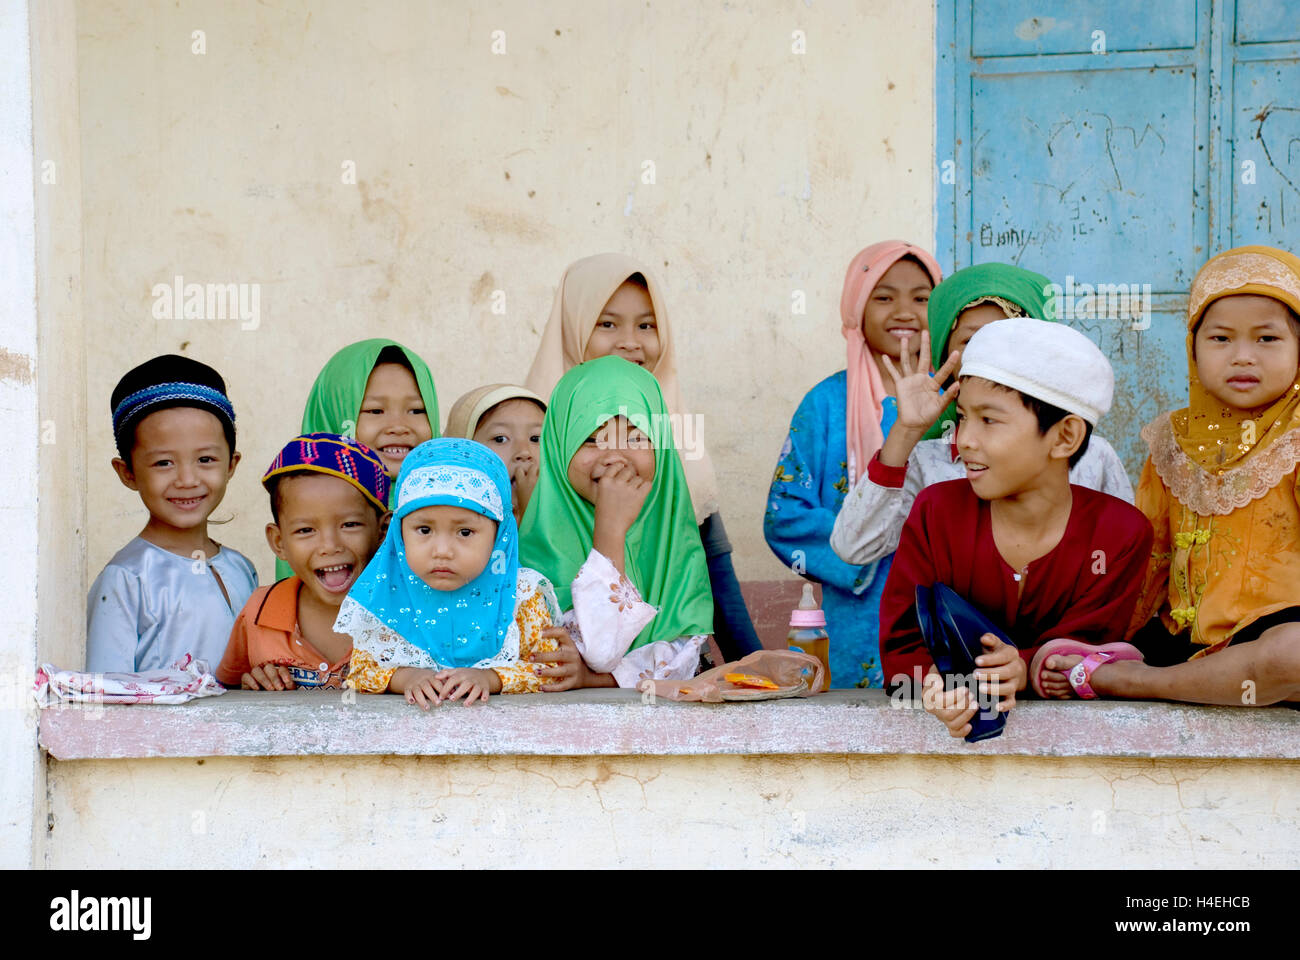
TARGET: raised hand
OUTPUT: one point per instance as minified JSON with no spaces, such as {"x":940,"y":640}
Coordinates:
{"x":920,"y":399}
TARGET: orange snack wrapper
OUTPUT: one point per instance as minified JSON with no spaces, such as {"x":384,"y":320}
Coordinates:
{"x":751,"y":680}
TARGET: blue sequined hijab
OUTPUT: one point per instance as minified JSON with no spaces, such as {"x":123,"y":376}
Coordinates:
{"x":465,"y":627}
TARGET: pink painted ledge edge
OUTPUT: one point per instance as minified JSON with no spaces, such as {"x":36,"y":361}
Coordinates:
{"x":619,"y":723}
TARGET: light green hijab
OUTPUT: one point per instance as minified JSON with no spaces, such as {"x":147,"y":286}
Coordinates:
{"x":1028,"y":290}
{"x":664,"y":558}
{"x":335,"y":398}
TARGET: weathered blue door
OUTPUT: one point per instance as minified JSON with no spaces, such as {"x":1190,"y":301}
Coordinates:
{"x":1263,"y":87}
{"x":1119,"y":146}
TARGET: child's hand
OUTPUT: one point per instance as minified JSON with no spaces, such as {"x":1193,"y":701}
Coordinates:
{"x":920,"y":401}
{"x":1001,"y":671}
{"x":954,"y":708}
{"x":420,"y":686}
{"x":564,"y":667}
{"x":522,"y":481}
{"x":473,"y":684}
{"x":620,"y":494}
{"x":267,"y":676}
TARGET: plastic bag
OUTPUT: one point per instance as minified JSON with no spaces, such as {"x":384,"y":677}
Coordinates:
{"x":795,"y":673}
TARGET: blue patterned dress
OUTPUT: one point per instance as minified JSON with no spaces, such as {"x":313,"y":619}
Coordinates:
{"x":808,"y":488}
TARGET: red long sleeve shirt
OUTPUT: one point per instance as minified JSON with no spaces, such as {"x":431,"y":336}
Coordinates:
{"x":1085,"y":588}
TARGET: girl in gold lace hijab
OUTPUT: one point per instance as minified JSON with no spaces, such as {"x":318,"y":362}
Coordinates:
{"x":1220,"y":490}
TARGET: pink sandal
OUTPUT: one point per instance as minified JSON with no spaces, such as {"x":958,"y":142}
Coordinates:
{"x":1080,"y":675}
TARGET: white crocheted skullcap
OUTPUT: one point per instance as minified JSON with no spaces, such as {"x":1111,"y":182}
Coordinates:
{"x":1049,"y":361}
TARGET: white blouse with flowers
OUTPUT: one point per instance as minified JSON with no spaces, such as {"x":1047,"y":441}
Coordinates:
{"x":608,"y":613}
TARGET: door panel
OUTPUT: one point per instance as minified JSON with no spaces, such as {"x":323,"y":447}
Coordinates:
{"x":1085,"y":165}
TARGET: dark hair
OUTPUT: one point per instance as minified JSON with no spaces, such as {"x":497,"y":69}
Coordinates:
{"x":394,"y":354}
{"x":913,"y":258}
{"x":1048,"y":416}
{"x":277,"y":501}
{"x":638,"y":279}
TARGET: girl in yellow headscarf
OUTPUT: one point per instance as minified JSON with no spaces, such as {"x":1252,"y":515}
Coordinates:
{"x":1220,"y":488}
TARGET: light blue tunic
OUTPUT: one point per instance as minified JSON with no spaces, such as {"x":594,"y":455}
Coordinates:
{"x":150,"y":607}
{"x":808,"y":489}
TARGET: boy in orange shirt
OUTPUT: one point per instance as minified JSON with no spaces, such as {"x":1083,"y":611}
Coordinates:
{"x":329,"y":504}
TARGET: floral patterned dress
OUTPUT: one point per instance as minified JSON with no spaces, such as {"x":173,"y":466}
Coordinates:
{"x":608,"y":613}
{"x":808,"y":489}
{"x":535,"y":610}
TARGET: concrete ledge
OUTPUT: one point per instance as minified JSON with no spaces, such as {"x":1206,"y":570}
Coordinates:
{"x":618,"y":723}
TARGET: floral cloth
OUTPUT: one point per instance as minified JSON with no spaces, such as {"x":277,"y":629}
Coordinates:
{"x":185,"y":680}
{"x":608,"y":613}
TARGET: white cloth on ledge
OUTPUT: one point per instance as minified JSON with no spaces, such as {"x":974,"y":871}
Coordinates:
{"x":188,"y":679}
{"x":608,"y":613}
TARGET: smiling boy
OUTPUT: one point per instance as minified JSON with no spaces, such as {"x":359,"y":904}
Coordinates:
{"x":172,"y":590}
{"x":329,"y":495}
{"x":1041,"y":557}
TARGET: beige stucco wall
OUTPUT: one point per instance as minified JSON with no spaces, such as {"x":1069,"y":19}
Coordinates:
{"x":479,"y":172}
{"x":673,"y":812}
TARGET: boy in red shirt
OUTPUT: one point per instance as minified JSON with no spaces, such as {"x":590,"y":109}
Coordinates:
{"x":329,"y":500}
{"x":1040,"y":557}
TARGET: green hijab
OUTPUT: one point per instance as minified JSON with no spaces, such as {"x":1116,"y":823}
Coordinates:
{"x":335,"y":398}
{"x":1026,"y":289}
{"x":664,"y":558}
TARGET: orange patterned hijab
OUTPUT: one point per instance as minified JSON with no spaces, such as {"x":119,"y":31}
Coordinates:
{"x":1215,"y":458}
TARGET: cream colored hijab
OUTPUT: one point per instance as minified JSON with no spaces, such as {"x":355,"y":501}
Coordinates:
{"x":468,"y":411}
{"x":585,"y":288}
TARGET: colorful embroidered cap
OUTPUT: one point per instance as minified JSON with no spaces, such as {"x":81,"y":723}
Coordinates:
{"x":163,"y":382}
{"x":336,"y":456}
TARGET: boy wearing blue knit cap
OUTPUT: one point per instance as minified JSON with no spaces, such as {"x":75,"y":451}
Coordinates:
{"x":172,"y":590}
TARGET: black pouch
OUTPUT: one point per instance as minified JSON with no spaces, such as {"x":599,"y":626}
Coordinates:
{"x":951,"y":627}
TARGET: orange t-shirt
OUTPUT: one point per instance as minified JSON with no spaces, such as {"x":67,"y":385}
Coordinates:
{"x":266,"y":631}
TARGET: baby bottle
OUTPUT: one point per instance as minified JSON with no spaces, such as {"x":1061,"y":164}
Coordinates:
{"x":808,"y":631}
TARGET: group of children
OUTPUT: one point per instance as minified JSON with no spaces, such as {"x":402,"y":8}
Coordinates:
{"x":554,"y":538}
{"x":561,"y":534}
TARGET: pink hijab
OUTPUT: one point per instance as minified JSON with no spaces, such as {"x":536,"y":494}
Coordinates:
{"x":866,"y":388}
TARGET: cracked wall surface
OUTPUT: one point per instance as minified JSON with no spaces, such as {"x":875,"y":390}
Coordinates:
{"x":546,"y":812}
